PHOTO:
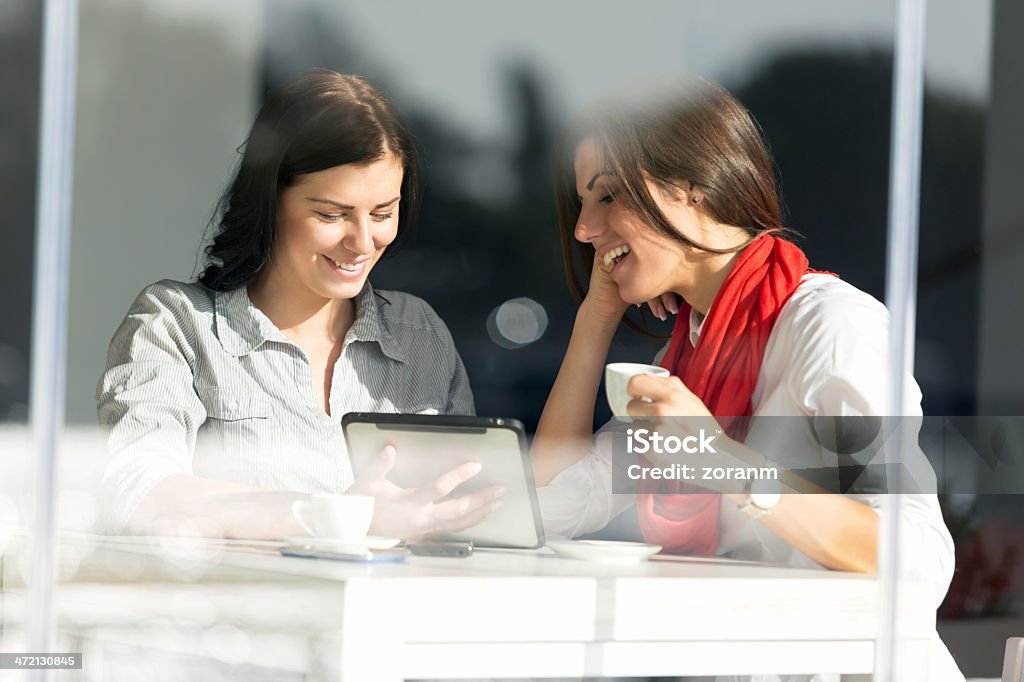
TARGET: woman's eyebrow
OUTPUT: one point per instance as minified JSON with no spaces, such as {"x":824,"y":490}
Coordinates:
{"x":590,"y":185}
{"x":351,"y":208}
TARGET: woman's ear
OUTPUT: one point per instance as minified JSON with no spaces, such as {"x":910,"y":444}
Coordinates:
{"x":686,"y":192}
{"x":694,"y":195}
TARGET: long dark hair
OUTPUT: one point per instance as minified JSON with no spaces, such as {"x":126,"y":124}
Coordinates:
{"x":318,"y":120}
{"x":680,"y":133}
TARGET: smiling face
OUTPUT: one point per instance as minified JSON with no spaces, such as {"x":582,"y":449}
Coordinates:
{"x":333,"y":226}
{"x":642,"y":262}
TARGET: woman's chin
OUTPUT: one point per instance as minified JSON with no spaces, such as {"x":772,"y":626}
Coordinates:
{"x":633,"y":296}
{"x":341,"y":290}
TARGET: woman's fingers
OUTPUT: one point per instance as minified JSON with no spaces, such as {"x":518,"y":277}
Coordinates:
{"x":657,"y":308}
{"x":664,"y":304}
{"x":671,"y":302}
{"x":469,"y":520}
{"x":382,"y":463}
{"x":467,"y":511}
{"x":445,"y":483}
{"x":370,"y":482}
{"x":654,"y":387}
{"x":644,"y":407}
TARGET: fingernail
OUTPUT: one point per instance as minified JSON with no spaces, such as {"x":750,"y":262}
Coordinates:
{"x":673,"y":307}
{"x":500,"y":491}
{"x":496,"y":504}
{"x":475,"y":467}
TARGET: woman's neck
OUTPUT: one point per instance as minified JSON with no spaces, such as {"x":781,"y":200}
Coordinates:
{"x":299,"y":313}
{"x":707,"y":279}
{"x":708,"y":271}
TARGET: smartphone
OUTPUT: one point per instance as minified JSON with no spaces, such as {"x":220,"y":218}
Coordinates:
{"x":446,"y":549}
{"x":370,"y":556}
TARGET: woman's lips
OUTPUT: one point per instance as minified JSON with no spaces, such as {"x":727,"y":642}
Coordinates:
{"x":608,"y":260}
{"x":618,"y":263}
{"x":346,"y":270}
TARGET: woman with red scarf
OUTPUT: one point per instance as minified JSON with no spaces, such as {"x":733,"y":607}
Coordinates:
{"x":670,"y":199}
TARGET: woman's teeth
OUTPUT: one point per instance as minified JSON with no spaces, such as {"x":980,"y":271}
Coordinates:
{"x":349,"y":267}
{"x":614,"y":255}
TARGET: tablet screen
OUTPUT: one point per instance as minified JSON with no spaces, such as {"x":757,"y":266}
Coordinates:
{"x":430,"y":445}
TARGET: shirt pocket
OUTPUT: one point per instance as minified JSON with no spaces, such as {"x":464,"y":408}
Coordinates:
{"x":231,"y":407}
{"x":236,"y":440}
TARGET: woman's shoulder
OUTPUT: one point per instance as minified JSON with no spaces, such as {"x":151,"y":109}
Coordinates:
{"x":170,"y":307}
{"x":830,"y":345}
{"x":174,"y":296}
{"x":404,"y":311}
{"x":825,"y":304}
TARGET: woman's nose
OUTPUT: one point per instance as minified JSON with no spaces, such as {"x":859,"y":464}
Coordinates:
{"x":588,"y":227}
{"x":360,"y":238}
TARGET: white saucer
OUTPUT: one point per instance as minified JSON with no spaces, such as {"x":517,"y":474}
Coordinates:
{"x":347,"y":546}
{"x":604,"y":550}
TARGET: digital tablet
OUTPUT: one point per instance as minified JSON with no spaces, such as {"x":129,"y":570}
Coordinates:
{"x":430,"y":445}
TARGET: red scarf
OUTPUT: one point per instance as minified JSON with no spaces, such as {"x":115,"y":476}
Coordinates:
{"x":722,"y":371}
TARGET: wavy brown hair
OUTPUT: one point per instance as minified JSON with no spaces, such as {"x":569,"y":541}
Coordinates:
{"x":318,"y":120}
{"x":681,"y":133}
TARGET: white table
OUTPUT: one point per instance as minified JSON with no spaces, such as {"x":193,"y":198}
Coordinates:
{"x":495,"y":614}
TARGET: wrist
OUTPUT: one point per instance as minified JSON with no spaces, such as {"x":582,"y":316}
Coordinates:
{"x":591,"y":314}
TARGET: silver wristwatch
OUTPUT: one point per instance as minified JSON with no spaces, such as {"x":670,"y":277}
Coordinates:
{"x":764,"y":494}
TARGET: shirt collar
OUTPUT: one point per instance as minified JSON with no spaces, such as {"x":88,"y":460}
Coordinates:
{"x":242,"y":327}
{"x":238,"y":325}
{"x":696,"y":326}
{"x":370,"y":324}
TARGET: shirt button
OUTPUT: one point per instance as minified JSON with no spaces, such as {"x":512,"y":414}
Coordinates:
{"x":233,"y":406}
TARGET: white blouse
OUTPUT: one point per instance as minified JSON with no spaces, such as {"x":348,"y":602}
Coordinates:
{"x":827,"y":355}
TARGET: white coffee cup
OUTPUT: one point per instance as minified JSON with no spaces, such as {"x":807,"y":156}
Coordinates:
{"x":338,"y":517}
{"x":616,"y":380}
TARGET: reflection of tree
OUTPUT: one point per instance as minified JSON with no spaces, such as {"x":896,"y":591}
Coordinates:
{"x":470,"y":253}
{"x":826,"y":116}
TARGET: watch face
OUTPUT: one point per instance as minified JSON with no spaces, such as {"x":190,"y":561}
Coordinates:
{"x":765,"y":500}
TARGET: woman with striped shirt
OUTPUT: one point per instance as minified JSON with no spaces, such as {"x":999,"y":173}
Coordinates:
{"x":223,"y":398}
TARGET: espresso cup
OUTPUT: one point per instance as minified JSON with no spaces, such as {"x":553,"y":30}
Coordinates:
{"x":338,"y":517}
{"x":616,"y":380}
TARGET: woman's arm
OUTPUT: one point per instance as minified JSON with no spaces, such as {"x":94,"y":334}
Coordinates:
{"x":565,"y":431}
{"x":183,"y":504}
{"x":833,"y":530}
{"x":196,"y":506}
{"x":837,"y":532}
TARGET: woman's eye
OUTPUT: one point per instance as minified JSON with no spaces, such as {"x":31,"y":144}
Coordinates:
{"x":329,"y":217}
{"x":382,"y":217}
{"x":607,"y":198}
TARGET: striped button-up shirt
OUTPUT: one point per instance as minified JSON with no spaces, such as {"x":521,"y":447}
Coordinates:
{"x":202,"y":382}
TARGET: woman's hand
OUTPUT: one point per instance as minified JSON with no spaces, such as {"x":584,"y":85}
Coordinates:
{"x":655,"y":396}
{"x":415,"y":513}
{"x":674,"y":410}
{"x":603,"y":294}
{"x":662,"y":305}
